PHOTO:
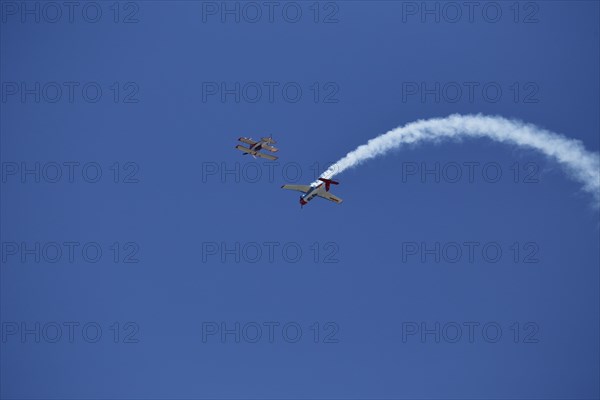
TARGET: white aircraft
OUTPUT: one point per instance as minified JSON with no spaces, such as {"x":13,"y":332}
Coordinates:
{"x":318,"y":188}
{"x":256,"y":146}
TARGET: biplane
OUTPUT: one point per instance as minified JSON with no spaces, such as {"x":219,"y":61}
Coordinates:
{"x":256,"y":146}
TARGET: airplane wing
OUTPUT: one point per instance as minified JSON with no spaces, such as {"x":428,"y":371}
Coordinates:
{"x":267,"y":156}
{"x":247,"y":141}
{"x":299,"y":188}
{"x":244,"y":149}
{"x":270,"y":148}
{"x":330,"y":197}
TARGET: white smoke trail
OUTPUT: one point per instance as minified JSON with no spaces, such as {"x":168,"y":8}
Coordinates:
{"x":582,"y":165}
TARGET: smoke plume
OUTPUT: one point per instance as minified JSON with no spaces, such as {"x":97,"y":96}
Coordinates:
{"x":582,"y":165}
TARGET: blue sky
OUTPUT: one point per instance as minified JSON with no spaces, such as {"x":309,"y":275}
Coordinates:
{"x":186,"y":205}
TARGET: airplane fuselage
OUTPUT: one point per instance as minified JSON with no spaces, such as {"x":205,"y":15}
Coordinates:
{"x":257,"y":146}
{"x":312,"y":193}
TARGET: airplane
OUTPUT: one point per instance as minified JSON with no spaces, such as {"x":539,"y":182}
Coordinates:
{"x":318,"y":188}
{"x":256,"y":146}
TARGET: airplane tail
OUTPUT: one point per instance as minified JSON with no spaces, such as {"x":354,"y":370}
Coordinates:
{"x":268,"y":140}
{"x":328,"y":183}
